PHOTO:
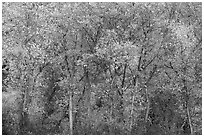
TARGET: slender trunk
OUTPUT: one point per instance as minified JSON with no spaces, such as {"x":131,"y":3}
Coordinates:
{"x":186,"y":96}
{"x":121,"y":98}
{"x":148,"y":106}
{"x":87,"y":92}
{"x":112,"y":104}
{"x":71,"y":74}
{"x":23,"y":120}
{"x":22,"y":113}
{"x":110,"y":118}
{"x":189,"y":120}
{"x":146,"y":92}
{"x":70,"y":113}
{"x":78,"y":104}
{"x":132,"y":106}
{"x":88,"y":98}
{"x":131,"y":113}
{"x":147,"y":110}
{"x":111,"y":111}
{"x":167,"y":130}
{"x":88,"y":104}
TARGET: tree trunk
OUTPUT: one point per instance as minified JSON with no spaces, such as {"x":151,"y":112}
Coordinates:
{"x":186,"y":96}
{"x":87,"y":92}
{"x":70,"y":113}
{"x":147,"y":110}
{"x":131,"y":113}
{"x":132,"y":107}
{"x":148,"y":106}
{"x":23,"y":114}
{"x":23,"y":120}
{"x":88,"y":102}
{"x":146,"y":92}
{"x":189,"y":120}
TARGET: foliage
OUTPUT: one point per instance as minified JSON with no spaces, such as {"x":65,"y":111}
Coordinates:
{"x":101,"y":68}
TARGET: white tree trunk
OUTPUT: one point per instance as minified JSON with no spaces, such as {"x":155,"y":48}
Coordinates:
{"x":70,"y":113}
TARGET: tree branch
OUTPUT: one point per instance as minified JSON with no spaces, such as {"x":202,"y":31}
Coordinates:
{"x":124,"y":72}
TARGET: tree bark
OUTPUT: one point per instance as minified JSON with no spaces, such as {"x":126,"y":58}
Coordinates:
{"x":132,"y":107}
{"x":146,"y":92}
{"x":147,"y":110}
{"x":23,"y":120}
{"x":131,"y":114}
{"x":189,"y":120}
{"x":87,"y":92}
{"x":71,"y":74}
{"x":70,"y":113}
{"x":186,"y":99}
{"x":148,"y":106}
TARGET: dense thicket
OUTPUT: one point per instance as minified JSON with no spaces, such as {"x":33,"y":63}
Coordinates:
{"x":101,"y":68}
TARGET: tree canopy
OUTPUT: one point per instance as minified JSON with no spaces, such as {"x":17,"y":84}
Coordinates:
{"x":102,"y":68}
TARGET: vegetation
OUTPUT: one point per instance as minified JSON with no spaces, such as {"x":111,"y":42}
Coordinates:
{"x":101,"y":68}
